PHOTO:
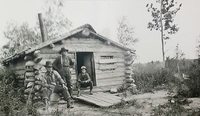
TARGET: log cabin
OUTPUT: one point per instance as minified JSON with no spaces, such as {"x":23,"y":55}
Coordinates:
{"x":105,"y":59}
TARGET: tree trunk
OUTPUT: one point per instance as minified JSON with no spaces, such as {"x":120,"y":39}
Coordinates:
{"x":162,"y":39}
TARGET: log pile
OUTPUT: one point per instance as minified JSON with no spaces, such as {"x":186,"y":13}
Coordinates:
{"x":33,"y":78}
{"x":129,"y":81}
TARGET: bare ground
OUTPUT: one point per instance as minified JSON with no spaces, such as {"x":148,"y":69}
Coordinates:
{"x":141,"y":105}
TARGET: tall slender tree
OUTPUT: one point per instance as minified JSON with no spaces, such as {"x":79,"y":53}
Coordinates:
{"x":125,"y":32}
{"x":163,"y":18}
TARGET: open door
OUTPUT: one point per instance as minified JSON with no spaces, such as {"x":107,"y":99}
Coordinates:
{"x":86,"y":59}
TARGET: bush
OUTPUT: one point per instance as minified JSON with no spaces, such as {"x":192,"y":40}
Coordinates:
{"x":148,"y":76}
{"x":194,"y":79}
{"x":10,"y":96}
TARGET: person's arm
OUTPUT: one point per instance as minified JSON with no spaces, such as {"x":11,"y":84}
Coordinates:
{"x":62,"y":82}
{"x":79,"y":78}
{"x":59,"y":78}
{"x":55,"y":64}
{"x":71,"y":62}
{"x":45,"y":81}
{"x":88,"y":77}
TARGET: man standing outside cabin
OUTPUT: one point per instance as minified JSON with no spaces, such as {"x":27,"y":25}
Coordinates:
{"x":56,"y":83}
{"x":84,"y":80}
{"x":62,"y":64}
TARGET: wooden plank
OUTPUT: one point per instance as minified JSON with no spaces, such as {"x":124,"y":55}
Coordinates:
{"x":112,"y":78}
{"x":47,"y":50}
{"x":98,"y":98}
{"x":109,"y":75}
{"x":111,"y":81}
{"x":111,"y":101}
{"x":118,"y":69}
{"x":114,"y":54}
{"x":105,"y":88}
{"x":101,"y":99}
{"x":103,"y":61}
{"x":94,"y":101}
{"x":118,"y":64}
{"x":88,"y":47}
{"x":82,"y":41}
{"x":54,"y":56}
{"x":104,"y":67}
{"x":112,"y":98}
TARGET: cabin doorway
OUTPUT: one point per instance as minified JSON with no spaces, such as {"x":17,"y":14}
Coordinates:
{"x":86,"y":59}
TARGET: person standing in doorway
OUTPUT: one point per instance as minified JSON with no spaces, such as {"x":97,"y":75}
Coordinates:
{"x":62,"y":64}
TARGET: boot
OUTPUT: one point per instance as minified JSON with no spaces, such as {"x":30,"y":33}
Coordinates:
{"x":70,"y":93}
{"x":91,"y":92}
{"x":69,"y":104}
{"x":79,"y":93}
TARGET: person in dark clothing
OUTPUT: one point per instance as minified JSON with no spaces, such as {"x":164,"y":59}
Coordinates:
{"x":84,"y":80}
{"x":62,"y":64}
{"x":56,"y":83}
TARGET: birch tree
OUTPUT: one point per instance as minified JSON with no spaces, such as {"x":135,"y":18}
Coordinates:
{"x":163,"y":19}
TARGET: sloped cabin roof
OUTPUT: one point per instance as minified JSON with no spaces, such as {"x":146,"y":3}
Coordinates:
{"x":87,"y":27}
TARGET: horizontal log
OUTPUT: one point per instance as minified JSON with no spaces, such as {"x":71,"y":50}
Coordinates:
{"x":88,"y":47}
{"x":55,"y":55}
{"x":19,"y":72}
{"x":30,"y":74}
{"x":20,"y":77}
{"x":104,"y":61}
{"x":114,"y":54}
{"x":109,"y":75}
{"x":106,"y":67}
{"x":82,"y":41}
{"x":110,"y":82}
{"x":47,"y":50}
{"x":105,"y":87}
{"x":117,"y":70}
{"x":119,"y":66}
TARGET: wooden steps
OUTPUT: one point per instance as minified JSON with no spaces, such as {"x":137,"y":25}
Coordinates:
{"x":100,"y":99}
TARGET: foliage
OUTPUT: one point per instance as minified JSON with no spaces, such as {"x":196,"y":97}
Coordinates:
{"x":23,"y":36}
{"x":54,"y":20}
{"x":125,"y":33}
{"x":163,"y":19}
{"x":10,"y":95}
{"x":151,"y":75}
{"x":148,"y":76}
{"x":20,"y":37}
{"x":169,"y":109}
{"x":194,"y":79}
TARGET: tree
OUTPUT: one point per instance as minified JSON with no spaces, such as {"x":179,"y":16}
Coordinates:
{"x":163,"y":18}
{"x":54,"y":20}
{"x":125,"y":33}
{"x":23,"y":36}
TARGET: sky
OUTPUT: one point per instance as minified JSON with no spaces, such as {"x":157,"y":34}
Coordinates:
{"x":104,"y":15}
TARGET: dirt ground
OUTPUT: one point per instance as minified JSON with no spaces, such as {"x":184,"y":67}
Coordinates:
{"x":142,"y":105}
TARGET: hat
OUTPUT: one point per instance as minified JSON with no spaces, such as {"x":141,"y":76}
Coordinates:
{"x":37,"y":59}
{"x":48,"y":64}
{"x":37,"y":66}
{"x":63,"y":49}
{"x":83,"y":67}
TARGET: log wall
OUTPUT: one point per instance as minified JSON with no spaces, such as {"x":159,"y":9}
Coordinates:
{"x":109,"y":60}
